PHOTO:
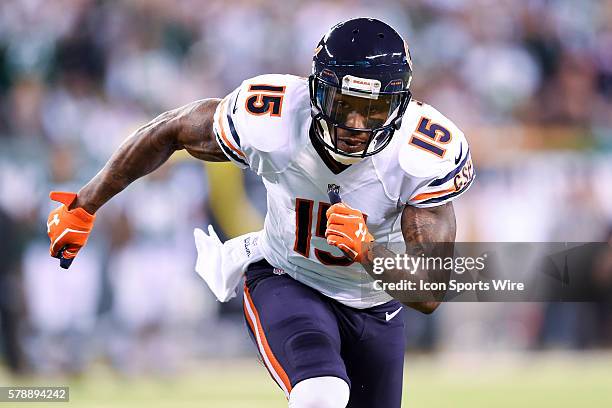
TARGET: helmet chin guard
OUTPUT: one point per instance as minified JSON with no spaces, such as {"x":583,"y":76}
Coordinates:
{"x":327,"y":141}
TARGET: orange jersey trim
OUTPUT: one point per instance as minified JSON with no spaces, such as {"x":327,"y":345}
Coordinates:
{"x":434,"y":194}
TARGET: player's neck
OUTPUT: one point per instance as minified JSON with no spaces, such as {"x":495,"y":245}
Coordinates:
{"x":334,"y":166}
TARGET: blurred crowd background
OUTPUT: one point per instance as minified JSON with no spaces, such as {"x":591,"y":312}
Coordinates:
{"x":529,"y":81}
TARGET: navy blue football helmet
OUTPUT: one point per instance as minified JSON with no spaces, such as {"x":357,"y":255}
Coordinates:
{"x":359,"y":88}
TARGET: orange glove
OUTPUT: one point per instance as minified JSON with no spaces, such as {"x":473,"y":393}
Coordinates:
{"x":68,"y":230}
{"x":347,"y":230}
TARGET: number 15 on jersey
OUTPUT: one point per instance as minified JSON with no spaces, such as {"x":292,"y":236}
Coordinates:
{"x":304,"y":210}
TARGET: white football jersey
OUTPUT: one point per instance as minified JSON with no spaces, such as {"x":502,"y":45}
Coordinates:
{"x":264,"y":125}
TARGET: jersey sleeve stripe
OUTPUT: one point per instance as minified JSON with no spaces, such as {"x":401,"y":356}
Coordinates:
{"x":433,"y":194}
{"x":231,"y":155}
{"x":452,"y":174}
{"x":449,"y":196}
{"x":221,"y":127}
{"x":230,"y":121}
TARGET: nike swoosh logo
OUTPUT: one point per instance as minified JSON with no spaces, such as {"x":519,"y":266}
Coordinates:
{"x":236,"y":103}
{"x":389,"y":316}
{"x":458,"y":158}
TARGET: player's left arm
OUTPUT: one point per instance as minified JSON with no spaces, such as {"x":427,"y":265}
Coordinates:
{"x":428,"y":232}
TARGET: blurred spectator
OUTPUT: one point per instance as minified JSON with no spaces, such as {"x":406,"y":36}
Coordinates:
{"x":529,"y":81}
{"x":12,"y":306}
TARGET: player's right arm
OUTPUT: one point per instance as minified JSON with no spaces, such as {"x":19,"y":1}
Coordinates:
{"x":189,"y":127}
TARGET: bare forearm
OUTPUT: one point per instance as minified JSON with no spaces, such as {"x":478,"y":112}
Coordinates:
{"x":428,"y":233}
{"x":139,"y":155}
{"x":416,"y":278}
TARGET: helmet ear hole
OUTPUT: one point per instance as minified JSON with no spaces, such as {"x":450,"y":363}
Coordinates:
{"x":356,"y":31}
{"x":381,"y":35}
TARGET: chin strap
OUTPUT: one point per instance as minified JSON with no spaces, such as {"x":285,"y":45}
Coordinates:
{"x":347,"y":161}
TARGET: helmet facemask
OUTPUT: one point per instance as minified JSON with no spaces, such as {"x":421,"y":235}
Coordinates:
{"x":355,"y":119}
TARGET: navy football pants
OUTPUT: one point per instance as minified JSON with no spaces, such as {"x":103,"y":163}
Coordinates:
{"x":302,"y":334}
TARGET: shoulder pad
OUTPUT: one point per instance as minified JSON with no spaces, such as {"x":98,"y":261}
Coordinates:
{"x":266,"y":107}
{"x":266,"y":114}
{"x":432,"y":143}
{"x":435,"y":156}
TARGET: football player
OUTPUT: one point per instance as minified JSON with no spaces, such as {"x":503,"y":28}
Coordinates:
{"x":328,"y":337}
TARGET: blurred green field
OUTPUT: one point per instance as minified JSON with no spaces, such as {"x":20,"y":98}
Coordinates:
{"x":462,"y":380}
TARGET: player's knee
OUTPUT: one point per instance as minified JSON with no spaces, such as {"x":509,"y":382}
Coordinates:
{"x":320,"y":392}
{"x":308,"y":350}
